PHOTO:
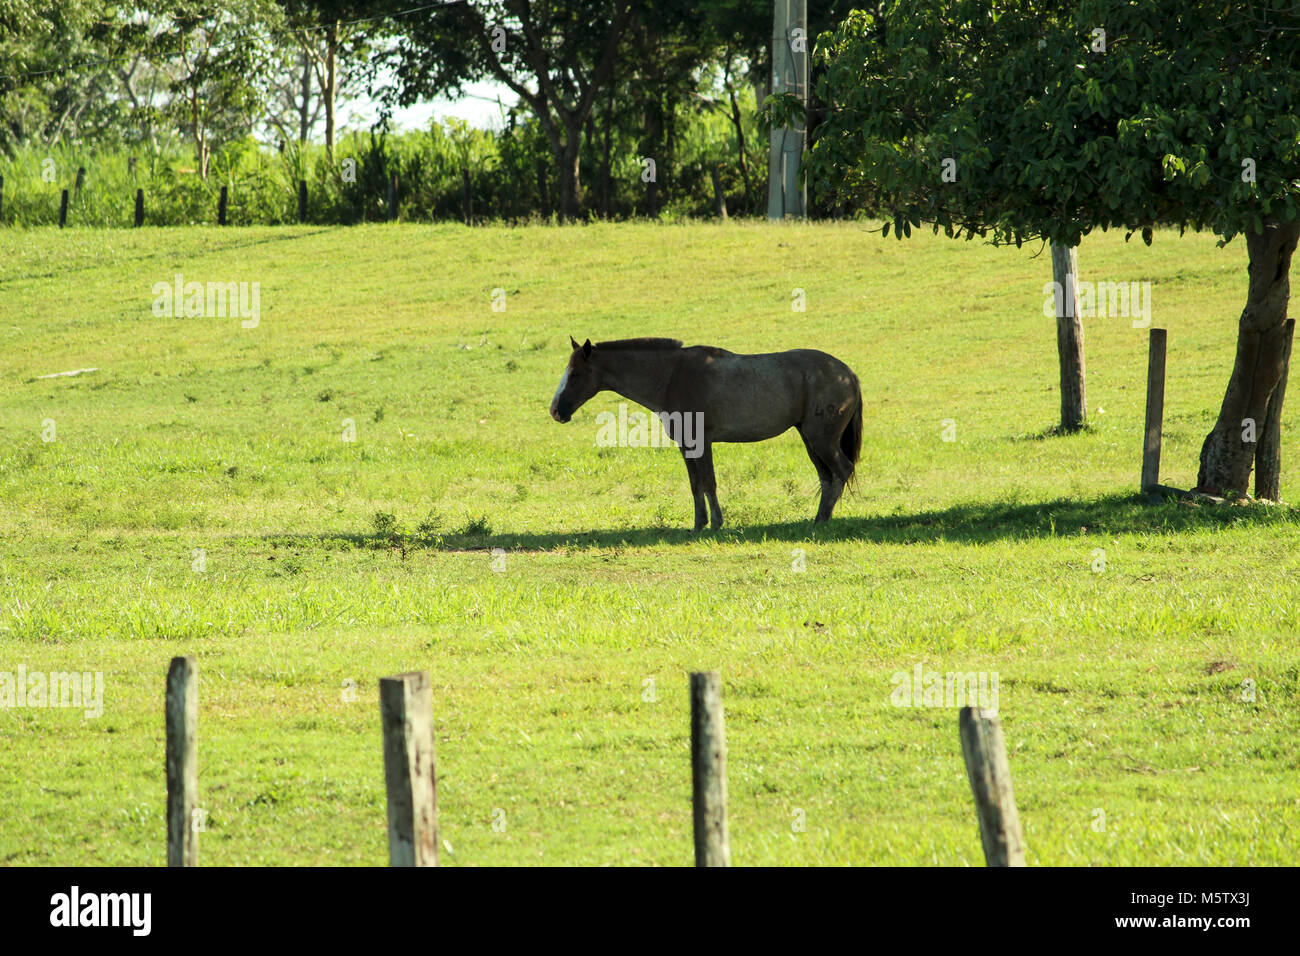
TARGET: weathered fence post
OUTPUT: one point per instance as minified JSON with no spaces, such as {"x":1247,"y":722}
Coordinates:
{"x":1155,"y":409}
{"x":406,"y":709}
{"x":182,"y":762}
{"x":302,"y":200}
{"x":1268,"y":453}
{"x":221,"y":207}
{"x":392,"y":197}
{"x":63,"y":209}
{"x":709,"y":770}
{"x":139,"y":208}
{"x":990,"y":782}
{"x":469,"y":195}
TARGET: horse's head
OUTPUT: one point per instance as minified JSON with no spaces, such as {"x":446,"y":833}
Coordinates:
{"x":579,"y":383}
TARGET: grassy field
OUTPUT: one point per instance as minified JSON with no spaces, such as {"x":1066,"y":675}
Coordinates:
{"x":197,"y":496}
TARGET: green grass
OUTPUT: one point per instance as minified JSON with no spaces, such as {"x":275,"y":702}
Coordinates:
{"x":1121,"y":690}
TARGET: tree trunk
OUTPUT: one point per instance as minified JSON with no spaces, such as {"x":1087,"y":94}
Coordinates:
{"x":605,"y":170}
{"x":200,"y":138}
{"x":740,"y":143}
{"x":1268,"y":457}
{"x":304,"y":103}
{"x":651,"y":142}
{"x":469,"y":195}
{"x":570,"y":181}
{"x":150,"y":128}
{"x":719,"y":197}
{"x":1069,"y":338}
{"x":1229,"y":450}
{"x":331,"y":83}
{"x":542,"y":192}
{"x":670,"y":148}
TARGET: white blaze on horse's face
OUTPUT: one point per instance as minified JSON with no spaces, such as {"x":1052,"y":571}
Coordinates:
{"x":555,"y":402}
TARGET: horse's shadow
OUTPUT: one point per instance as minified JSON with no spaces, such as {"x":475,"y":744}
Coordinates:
{"x":966,"y":523}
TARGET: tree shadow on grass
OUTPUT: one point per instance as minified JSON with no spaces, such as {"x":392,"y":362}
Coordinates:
{"x":966,"y":523}
{"x":227,"y":241}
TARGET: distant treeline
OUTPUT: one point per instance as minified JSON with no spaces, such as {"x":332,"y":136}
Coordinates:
{"x":645,"y":108}
{"x":449,"y":172}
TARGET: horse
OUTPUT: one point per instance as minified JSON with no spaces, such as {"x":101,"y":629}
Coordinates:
{"x":705,"y":395}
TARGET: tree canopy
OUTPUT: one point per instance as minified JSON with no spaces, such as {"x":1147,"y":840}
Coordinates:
{"x":1047,"y":119}
{"x":1054,"y":118}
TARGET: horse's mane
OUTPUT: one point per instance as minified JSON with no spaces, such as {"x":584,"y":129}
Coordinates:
{"x":646,"y":344}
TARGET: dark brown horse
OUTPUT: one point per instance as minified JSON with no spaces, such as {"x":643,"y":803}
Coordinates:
{"x":704,"y":395}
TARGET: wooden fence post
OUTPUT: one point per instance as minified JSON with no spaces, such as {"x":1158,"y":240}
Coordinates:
{"x":709,"y":771}
{"x":1268,"y":453}
{"x":990,"y":782}
{"x":392,"y":197}
{"x":182,"y":762}
{"x":139,"y":208}
{"x":406,"y":710}
{"x":221,"y":207}
{"x":63,"y":209}
{"x":469,"y":195}
{"x":1155,"y":409}
{"x":302,"y":200}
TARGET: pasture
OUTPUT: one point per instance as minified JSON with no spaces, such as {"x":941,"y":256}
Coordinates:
{"x":197,"y":496}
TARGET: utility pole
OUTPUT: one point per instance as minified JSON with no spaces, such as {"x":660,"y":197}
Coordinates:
{"x":786,"y":196}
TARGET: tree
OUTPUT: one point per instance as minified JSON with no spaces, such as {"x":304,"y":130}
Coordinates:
{"x":1039,"y":121}
{"x":667,"y":48}
{"x":556,"y":56}
{"x":329,"y":35}
{"x":216,"y":59}
{"x":55,"y":82}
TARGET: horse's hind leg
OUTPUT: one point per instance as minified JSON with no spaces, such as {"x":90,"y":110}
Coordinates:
{"x":704,"y":465}
{"x":833,"y":469}
{"x":841,"y":469}
{"x":831,"y":492}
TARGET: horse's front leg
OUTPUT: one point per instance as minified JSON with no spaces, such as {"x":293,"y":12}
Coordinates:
{"x":710,"y":487}
{"x":697,"y":490}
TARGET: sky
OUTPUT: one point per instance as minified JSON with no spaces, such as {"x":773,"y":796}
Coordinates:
{"x":478,"y":106}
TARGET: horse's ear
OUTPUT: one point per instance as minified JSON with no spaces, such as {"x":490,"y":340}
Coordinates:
{"x":574,"y":343}
{"x":586,"y":348}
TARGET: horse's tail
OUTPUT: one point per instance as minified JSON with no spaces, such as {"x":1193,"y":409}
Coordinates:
{"x":851,"y":437}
